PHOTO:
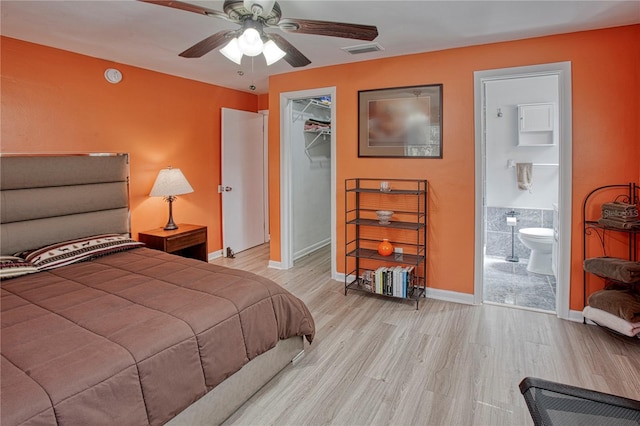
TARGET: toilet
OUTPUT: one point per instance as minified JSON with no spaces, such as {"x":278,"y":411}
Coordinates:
{"x":540,"y":242}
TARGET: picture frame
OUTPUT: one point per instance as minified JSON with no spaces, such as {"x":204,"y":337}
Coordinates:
{"x":403,"y":122}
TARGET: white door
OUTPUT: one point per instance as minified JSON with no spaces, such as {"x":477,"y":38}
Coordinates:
{"x":243,"y":182}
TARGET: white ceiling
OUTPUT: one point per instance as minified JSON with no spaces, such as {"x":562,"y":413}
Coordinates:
{"x":150,"y":36}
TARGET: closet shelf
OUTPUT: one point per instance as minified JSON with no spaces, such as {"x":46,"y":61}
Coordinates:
{"x":313,"y":103}
{"x":320,"y":131}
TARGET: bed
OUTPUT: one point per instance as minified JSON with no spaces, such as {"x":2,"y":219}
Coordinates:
{"x":97,"y":329}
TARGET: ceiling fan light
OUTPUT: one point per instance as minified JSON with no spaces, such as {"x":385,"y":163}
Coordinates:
{"x":232,"y":51}
{"x":250,"y":42}
{"x":272,"y":53}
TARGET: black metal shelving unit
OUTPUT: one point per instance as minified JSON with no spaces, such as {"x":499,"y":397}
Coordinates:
{"x":407,"y":230}
{"x":627,"y":193}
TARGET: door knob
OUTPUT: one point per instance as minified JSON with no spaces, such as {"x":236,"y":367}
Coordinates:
{"x":227,"y":188}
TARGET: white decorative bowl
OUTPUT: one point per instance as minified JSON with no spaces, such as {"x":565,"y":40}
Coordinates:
{"x":384,"y":216}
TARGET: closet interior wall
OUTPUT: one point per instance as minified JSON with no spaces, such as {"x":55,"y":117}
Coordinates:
{"x":311,"y":175}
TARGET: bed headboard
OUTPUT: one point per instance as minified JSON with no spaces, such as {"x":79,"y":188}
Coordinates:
{"x":50,"y":198}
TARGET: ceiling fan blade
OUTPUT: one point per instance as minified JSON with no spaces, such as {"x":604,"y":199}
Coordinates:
{"x":208,"y":44}
{"x":332,"y":29}
{"x":294,"y":57}
{"x":189,"y":8}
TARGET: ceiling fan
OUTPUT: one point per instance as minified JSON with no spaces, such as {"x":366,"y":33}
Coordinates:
{"x":251,"y":39}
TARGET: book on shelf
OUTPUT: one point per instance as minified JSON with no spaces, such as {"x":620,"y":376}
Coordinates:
{"x":390,"y":281}
{"x":367,"y":280}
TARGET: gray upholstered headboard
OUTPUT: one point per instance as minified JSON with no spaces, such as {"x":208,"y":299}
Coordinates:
{"x":51,"y":198}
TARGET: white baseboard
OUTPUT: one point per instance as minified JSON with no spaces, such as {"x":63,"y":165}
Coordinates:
{"x":214,"y":255}
{"x":307,"y":250}
{"x":450,"y":296}
{"x":275,"y":265}
{"x":575,"y":316}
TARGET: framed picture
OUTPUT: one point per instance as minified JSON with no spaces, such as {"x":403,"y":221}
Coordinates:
{"x":400,"y":122}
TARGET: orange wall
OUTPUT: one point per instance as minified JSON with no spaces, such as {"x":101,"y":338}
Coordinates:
{"x":606,"y":131}
{"x":57,"y":101}
{"x":263,"y":102}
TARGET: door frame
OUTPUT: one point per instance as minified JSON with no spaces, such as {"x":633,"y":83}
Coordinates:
{"x":286,"y":201}
{"x":265,"y":169}
{"x":563,"y":71}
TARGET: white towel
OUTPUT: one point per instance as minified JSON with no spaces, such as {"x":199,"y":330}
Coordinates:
{"x":611,"y":321}
{"x":524,"y":174}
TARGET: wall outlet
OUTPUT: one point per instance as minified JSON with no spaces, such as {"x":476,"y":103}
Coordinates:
{"x":397,"y":250}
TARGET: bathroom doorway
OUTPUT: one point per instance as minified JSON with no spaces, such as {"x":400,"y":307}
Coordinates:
{"x":522,"y":150}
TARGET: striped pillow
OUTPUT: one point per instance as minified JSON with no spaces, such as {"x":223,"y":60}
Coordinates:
{"x":13,"y":266}
{"x":68,"y":252}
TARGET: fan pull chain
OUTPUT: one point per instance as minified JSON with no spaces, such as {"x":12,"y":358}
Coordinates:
{"x":252,"y":86}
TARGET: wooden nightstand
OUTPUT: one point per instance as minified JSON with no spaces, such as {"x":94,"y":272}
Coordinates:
{"x":187,"y":241}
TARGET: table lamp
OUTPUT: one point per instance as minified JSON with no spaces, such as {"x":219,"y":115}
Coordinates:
{"x":170,"y":183}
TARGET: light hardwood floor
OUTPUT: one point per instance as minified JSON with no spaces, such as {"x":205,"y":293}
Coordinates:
{"x":376,"y":361}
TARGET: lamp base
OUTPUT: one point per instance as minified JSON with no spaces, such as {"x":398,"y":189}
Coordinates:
{"x":170,"y":224}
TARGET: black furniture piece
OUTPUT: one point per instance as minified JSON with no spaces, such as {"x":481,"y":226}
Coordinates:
{"x":628,"y":193}
{"x":555,"y":404}
{"x":406,"y":231}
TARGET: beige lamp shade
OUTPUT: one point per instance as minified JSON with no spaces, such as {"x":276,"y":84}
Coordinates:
{"x":170,"y":182}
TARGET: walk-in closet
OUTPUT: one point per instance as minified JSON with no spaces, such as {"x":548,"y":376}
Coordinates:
{"x":311,"y":174}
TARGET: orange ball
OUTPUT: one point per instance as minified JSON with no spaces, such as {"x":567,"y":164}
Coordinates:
{"x":385,"y":248}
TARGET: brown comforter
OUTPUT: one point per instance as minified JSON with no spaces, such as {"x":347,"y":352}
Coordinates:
{"x":133,"y":337}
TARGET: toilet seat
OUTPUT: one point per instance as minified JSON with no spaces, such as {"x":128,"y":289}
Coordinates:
{"x":537,"y":233}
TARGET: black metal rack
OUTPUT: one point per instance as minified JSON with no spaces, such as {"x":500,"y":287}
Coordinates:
{"x":363,"y":231}
{"x":627,"y":193}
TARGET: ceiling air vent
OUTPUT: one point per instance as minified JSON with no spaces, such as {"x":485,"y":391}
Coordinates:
{"x":363,"y":48}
